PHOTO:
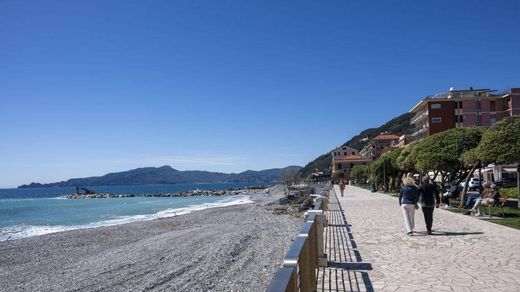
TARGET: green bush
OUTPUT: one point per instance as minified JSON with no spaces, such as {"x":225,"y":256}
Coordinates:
{"x":510,"y":192}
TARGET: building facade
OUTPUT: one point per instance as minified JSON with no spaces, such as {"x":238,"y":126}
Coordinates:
{"x":463,"y":108}
{"x":345,"y":158}
{"x":379,"y":145}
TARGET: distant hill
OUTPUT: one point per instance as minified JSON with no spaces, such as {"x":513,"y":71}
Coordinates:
{"x":399,"y":126}
{"x":168,"y":175}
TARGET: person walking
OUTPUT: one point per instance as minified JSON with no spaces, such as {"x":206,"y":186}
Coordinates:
{"x":342,"y":186}
{"x":430,"y":199}
{"x":408,"y":196}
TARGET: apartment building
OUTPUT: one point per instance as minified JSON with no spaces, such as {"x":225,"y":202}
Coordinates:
{"x":379,"y":145}
{"x":345,"y":158}
{"x":463,"y":108}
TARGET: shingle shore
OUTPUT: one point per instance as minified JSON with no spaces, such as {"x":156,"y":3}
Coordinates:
{"x":220,"y":249}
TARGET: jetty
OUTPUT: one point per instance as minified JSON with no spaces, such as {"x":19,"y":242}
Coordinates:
{"x":229,"y":192}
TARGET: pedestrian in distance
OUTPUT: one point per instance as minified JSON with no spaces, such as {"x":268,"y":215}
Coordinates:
{"x":430,"y":199}
{"x":408,"y":197}
{"x":342,"y":186}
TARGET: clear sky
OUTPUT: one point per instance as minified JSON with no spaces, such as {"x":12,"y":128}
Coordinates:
{"x":89,"y":87}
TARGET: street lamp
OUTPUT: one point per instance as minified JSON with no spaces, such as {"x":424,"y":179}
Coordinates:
{"x":477,"y":105}
{"x":518,"y":182}
{"x":384,"y":175}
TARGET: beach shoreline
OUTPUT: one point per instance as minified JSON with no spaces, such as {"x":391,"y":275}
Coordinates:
{"x":220,"y":249}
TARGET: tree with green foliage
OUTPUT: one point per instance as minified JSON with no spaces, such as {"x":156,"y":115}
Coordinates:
{"x":385,"y":169}
{"x":406,"y":159}
{"x":443,"y":152}
{"x":501,"y":144}
{"x":360,"y":173}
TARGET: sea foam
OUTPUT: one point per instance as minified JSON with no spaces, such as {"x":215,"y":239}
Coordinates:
{"x":23,"y":231}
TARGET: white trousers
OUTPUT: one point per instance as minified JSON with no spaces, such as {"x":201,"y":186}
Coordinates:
{"x":409,"y":213}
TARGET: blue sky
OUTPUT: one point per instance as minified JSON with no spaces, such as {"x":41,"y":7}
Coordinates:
{"x":89,"y":87}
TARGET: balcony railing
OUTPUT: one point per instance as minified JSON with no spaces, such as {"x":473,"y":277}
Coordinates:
{"x":419,"y":131}
{"x":419,"y":116}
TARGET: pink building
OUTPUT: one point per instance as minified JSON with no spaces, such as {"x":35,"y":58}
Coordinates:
{"x":463,"y":108}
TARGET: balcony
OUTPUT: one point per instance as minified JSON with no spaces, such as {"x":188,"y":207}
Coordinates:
{"x":420,"y":130}
{"x":419,"y":116}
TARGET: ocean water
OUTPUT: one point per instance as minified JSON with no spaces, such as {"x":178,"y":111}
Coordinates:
{"x":37,"y":211}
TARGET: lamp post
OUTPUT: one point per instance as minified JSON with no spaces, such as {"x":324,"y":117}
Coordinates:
{"x":384,"y":175}
{"x":518,"y":183}
{"x":477,"y":106}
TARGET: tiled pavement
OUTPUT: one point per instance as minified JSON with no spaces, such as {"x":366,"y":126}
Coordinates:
{"x":346,"y":270}
{"x":368,"y":249}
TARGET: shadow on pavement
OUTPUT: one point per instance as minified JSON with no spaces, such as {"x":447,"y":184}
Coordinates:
{"x":447,"y":233}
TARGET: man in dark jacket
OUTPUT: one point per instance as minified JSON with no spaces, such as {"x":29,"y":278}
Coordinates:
{"x":429,"y":200}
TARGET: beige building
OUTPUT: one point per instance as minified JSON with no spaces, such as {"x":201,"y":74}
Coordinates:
{"x":345,"y":158}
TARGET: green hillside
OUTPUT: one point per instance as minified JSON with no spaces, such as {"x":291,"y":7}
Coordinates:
{"x":168,"y":175}
{"x":399,"y":126}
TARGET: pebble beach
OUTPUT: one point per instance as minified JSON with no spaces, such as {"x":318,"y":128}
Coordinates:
{"x":233,"y":248}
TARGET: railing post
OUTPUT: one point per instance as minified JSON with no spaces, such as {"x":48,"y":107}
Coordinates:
{"x":320,"y":222}
{"x":306,"y":254}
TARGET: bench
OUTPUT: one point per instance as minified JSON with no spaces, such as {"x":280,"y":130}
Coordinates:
{"x":499,"y":203}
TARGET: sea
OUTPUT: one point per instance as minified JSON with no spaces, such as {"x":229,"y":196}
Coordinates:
{"x":35,"y":211}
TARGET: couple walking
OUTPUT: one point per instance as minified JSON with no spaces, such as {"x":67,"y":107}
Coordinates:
{"x":409,"y":196}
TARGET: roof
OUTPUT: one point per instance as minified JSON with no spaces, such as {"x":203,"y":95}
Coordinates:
{"x":386,"y":137}
{"x":453,"y":94}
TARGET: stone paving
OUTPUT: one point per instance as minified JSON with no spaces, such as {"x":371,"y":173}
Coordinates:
{"x":346,"y":270}
{"x":463,"y":254}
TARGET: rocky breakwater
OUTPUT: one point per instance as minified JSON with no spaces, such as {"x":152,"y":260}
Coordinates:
{"x":229,"y":192}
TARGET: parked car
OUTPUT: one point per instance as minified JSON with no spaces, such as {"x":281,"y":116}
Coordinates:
{"x":505,"y":183}
{"x":472,"y":184}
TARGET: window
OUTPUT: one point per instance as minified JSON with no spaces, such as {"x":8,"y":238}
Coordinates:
{"x":345,"y":153}
{"x":436,"y":106}
{"x":459,"y":119}
{"x":492,"y":106}
{"x":339,"y":166}
{"x":458,"y":105}
{"x":478,"y":105}
{"x":436,"y":120}
{"x":351,"y":165}
{"x":493,"y":120}
{"x":353,"y":153}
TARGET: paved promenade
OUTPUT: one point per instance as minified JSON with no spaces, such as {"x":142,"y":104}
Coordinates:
{"x":463,"y":254}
